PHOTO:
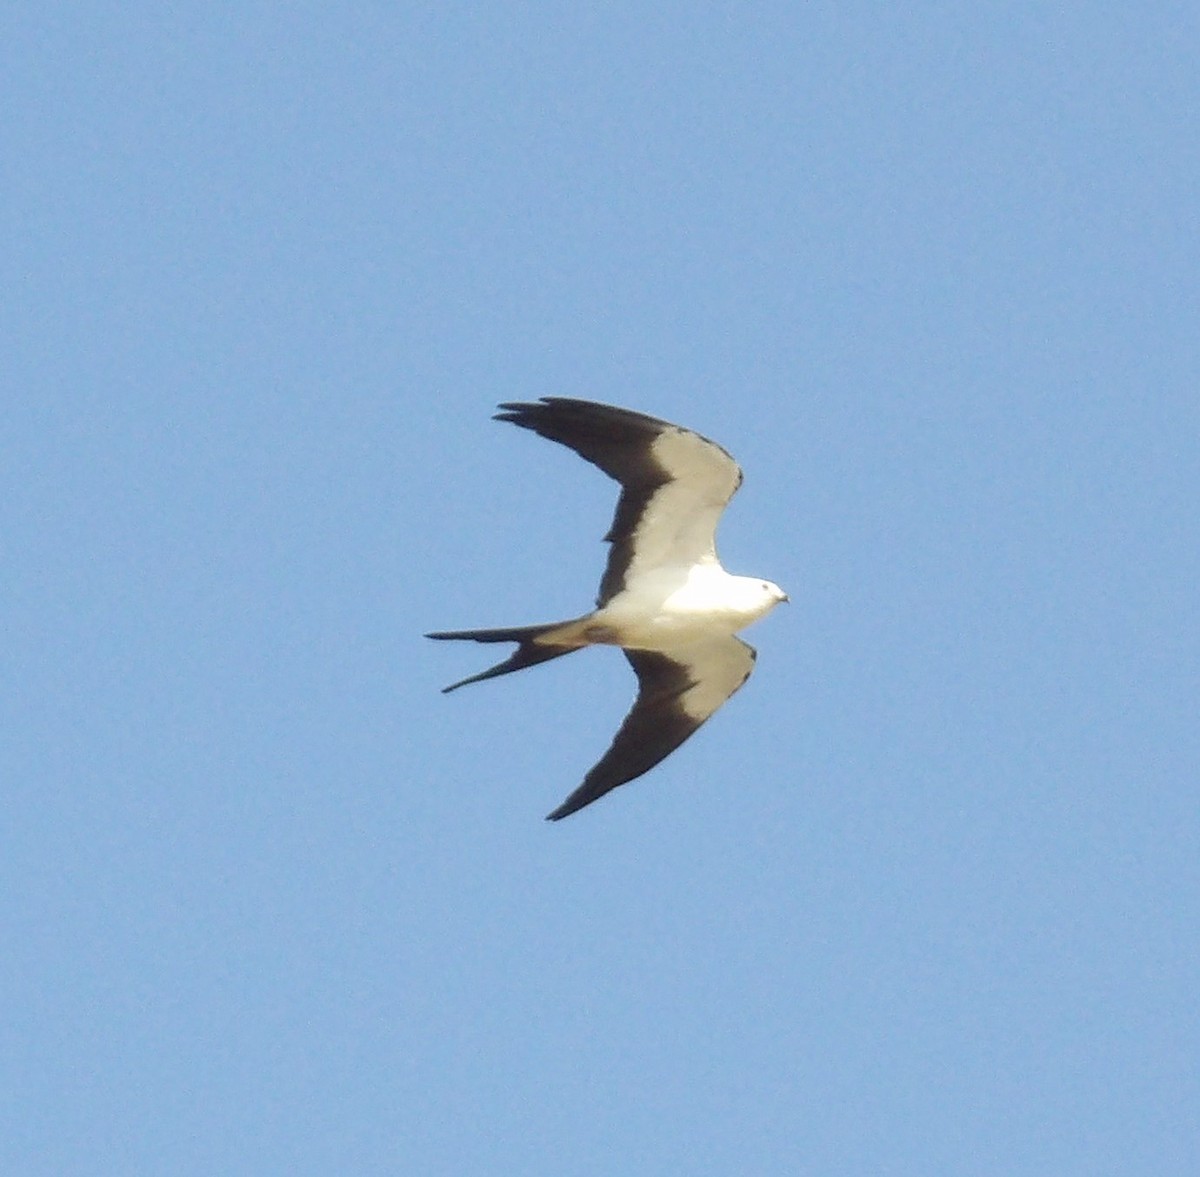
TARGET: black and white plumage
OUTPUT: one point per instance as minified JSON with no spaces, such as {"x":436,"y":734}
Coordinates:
{"x":664,"y":597}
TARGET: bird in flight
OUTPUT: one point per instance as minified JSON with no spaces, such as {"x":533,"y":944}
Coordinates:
{"x":664,"y":598}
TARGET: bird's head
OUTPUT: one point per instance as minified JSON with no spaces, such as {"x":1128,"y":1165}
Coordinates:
{"x":772,"y":592}
{"x":759,"y":597}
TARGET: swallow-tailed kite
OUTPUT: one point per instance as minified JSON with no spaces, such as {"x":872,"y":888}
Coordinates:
{"x":664,"y":598}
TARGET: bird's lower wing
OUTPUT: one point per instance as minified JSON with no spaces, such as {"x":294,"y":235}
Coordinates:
{"x":677,"y":691}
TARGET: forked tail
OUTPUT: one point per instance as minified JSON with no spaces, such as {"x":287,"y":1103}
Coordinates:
{"x":529,"y":651}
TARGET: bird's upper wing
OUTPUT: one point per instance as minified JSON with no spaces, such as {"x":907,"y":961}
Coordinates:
{"x":674,"y":483}
{"x":677,"y":692}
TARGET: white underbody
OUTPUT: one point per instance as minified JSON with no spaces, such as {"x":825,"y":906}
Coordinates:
{"x":673,"y":607}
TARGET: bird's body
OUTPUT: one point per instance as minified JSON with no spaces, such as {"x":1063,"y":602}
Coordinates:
{"x":663,"y":609}
{"x":664,"y":597}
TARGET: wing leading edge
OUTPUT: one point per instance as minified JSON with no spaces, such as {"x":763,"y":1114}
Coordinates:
{"x":677,"y":692}
{"x":674,"y":482}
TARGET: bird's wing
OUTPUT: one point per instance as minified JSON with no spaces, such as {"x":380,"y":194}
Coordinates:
{"x":674,"y":483}
{"x":677,"y":692}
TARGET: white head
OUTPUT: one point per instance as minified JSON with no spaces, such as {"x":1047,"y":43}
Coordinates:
{"x":759,"y":597}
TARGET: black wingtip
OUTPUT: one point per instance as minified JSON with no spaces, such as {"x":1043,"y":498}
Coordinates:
{"x":569,"y":806}
{"x":514,"y":410}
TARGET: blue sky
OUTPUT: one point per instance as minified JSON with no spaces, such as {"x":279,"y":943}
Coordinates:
{"x":921,"y":900}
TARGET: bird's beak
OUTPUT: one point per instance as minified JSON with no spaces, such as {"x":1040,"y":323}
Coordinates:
{"x":786,"y":599}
